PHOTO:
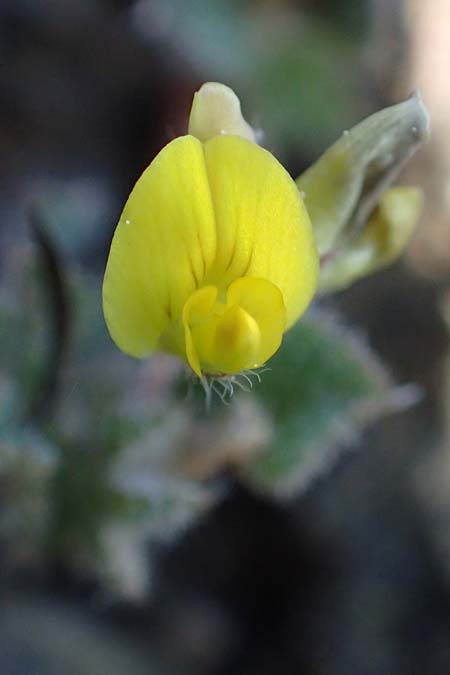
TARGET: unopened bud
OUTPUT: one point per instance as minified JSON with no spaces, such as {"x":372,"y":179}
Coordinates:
{"x":216,"y":110}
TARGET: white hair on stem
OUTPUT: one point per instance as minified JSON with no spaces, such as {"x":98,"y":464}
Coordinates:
{"x":224,"y":385}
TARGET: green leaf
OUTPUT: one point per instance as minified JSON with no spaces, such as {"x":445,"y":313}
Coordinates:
{"x":323,"y":386}
{"x":24,"y":336}
{"x":27,"y":464}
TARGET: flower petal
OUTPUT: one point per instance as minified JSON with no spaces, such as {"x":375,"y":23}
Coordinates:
{"x":219,"y":339}
{"x":264,"y":302}
{"x":263,"y":229}
{"x":163,"y":245}
{"x":236,"y":341}
{"x":197,"y":311}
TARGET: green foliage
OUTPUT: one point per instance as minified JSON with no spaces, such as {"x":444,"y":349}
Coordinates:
{"x":322,"y":386}
{"x":298,"y":86}
{"x":27,"y":462}
{"x":289,"y":67}
{"x":70,"y":477}
{"x":83,"y":500}
{"x":130,"y":454}
{"x":24,"y":337}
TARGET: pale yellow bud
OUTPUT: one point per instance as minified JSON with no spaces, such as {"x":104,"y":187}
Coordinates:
{"x":383,"y":239}
{"x":342,"y":189}
{"x":216,"y":110}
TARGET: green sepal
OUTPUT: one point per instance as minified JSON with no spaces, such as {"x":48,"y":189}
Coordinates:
{"x":342,"y":189}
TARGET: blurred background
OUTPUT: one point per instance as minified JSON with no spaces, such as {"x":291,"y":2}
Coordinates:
{"x":138,"y":534}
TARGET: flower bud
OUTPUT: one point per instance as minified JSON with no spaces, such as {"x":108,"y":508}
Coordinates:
{"x":382,"y":240}
{"x":342,"y":189}
{"x":216,"y":110}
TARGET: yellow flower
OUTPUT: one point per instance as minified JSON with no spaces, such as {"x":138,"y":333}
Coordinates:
{"x":213,"y":258}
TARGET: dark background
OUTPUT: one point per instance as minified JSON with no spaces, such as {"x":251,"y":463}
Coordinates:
{"x":352,"y":577}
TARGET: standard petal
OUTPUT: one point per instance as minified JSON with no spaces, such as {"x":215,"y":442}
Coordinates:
{"x":162,"y":248}
{"x":263,"y":229}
